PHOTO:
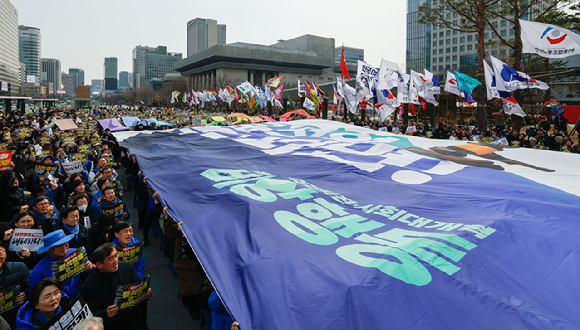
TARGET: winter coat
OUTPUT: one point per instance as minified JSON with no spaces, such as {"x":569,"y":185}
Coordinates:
{"x":72,"y":286}
{"x":139,"y":265}
{"x":29,"y":318}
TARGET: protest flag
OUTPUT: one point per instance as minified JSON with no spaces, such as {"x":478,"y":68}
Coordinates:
{"x":548,"y":40}
{"x":343,"y":67}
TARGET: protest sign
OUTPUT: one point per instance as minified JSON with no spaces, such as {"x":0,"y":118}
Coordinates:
{"x":70,"y":141}
{"x":84,"y":148}
{"x":5,"y":159}
{"x":7,"y":297}
{"x":131,"y":253}
{"x":109,"y":161}
{"x":7,"y":136}
{"x":31,"y":239}
{"x":411,"y":129}
{"x":69,"y":266}
{"x":44,"y":140}
{"x":74,"y":313}
{"x":87,"y":222}
{"x":116,"y":210}
{"x":79,"y":157}
{"x":3,"y":146}
{"x":130,"y":295}
{"x":73,"y":167}
{"x":45,"y":153}
{"x":40,"y":169}
{"x":24,"y":132}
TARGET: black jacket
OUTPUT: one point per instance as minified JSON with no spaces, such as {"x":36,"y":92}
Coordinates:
{"x":99,"y":293}
{"x":83,"y":239}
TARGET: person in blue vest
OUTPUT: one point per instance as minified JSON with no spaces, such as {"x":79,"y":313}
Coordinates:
{"x":47,"y":299}
{"x":124,"y":237}
{"x":56,"y":244}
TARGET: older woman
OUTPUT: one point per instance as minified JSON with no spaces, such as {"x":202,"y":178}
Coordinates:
{"x":24,"y":220}
{"x":47,"y":298}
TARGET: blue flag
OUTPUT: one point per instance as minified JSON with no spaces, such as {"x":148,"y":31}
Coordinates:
{"x":315,"y":224}
{"x":465,"y":82}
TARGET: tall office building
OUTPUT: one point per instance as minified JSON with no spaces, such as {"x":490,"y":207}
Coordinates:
{"x":79,"y":76}
{"x":96,"y":87}
{"x":9,"y":60}
{"x":136,"y":56}
{"x":203,"y":33}
{"x":29,"y":50}
{"x":68,"y":83}
{"x":439,"y":49}
{"x":351,"y":55}
{"x":52,"y":68}
{"x":155,"y":63}
{"x":110,"y":73}
{"x":123,"y":80}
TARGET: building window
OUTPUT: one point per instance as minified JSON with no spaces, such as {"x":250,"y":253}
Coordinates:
{"x":454,"y":41}
{"x":493,"y":35}
{"x":503,"y":23}
{"x":448,"y":42}
{"x":434,"y":43}
{"x":502,"y":52}
{"x":435,"y":27}
{"x":461,"y":48}
{"x":454,"y":58}
{"x":434,"y":51}
{"x":440,"y":50}
{"x":455,"y":49}
{"x":441,"y":42}
{"x":454,"y":32}
{"x":448,"y":15}
{"x":469,"y":38}
{"x":512,"y":32}
{"x":447,"y":50}
{"x":448,"y":33}
{"x":447,"y":58}
{"x":434,"y":35}
{"x":462,"y":39}
{"x":441,"y":34}
{"x":440,"y":59}
{"x":486,"y":36}
{"x":454,"y":14}
{"x":434,"y":59}
{"x":503,"y":33}
{"x":469,"y":47}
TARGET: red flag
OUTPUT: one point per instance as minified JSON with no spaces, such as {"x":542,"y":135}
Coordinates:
{"x":423,"y":103}
{"x":343,"y":66}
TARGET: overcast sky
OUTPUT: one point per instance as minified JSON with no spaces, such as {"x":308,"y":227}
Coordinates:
{"x":82,"y":33}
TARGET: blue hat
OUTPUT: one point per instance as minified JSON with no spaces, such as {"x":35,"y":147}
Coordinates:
{"x":47,"y":156}
{"x":53,"y":239}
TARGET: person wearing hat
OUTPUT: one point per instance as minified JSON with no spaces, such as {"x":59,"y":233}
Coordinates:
{"x":56,"y":244}
{"x":543,"y":124}
{"x":12,"y":273}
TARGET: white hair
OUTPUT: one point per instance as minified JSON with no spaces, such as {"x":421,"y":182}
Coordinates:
{"x":92,"y":323}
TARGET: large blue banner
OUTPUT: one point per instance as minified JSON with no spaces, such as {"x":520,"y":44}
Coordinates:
{"x":318,"y":225}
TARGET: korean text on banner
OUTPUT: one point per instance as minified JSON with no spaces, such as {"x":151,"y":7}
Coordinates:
{"x":73,"y":167}
{"x":31,"y":239}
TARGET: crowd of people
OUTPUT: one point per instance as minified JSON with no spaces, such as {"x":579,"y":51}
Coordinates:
{"x":542,"y":134}
{"x":82,"y":210}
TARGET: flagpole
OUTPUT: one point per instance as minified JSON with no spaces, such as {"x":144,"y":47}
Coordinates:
{"x":528,"y":88}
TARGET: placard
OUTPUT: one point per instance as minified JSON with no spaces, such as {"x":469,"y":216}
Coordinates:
{"x":73,"y":167}
{"x":70,"y":141}
{"x":110,"y":161}
{"x":24,"y":132}
{"x":7,"y":136}
{"x":116,"y":210}
{"x":7,"y":297}
{"x":69,"y":266}
{"x":87,"y":222}
{"x":129,"y":296}
{"x":5,"y":159}
{"x":131,"y":253}
{"x":44,"y":140}
{"x":79,"y":157}
{"x":84,"y":148}
{"x":72,"y":314}
{"x":40,"y":169}
{"x":31,"y":239}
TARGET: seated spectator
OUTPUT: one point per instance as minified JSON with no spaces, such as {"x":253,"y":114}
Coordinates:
{"x":100,"y":288}
{"x":11,"y":274}
{"x":47,"y":298}
{"x":70,"y":224}
{"x":56,"y":244}
{"x":45,"y":215}
{"x":124,"y":237}
{"x":24,"y":220}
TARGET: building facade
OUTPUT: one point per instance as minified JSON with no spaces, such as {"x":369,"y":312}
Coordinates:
{"x":52,"y":69}
{"x":9,"y":53}
{"x":155,"y":63}
{"x":123,"y":80}
{"x":96,"y":87}
{"x":136,"y":56}
{"x":351,"y":55}
{"x":110,"y":74}
{"x":30,"y":50}
{"x":68,"y":83}
{"x":79,"y":76}
{"x":306,"y":57}
{"x":204,"y":33}
{"x":33,"y":90}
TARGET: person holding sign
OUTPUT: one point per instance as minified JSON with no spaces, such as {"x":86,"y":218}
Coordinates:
{"x":45,"y":215}
{"x":12,"y":274}
{"x":47,"y":298}
{"x":111,"y":204}
{"x":24,"y":220}
{"x":99,"y":291}
{"x":12,"y":199}
{"x":56,"y":244}
{"x":130,"y":247}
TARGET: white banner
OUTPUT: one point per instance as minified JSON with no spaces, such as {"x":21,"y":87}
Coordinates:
{"x":31,"y":239}
{"x":451,"y":84}
{"x":548,"y":40}
{"x":73,"y":167}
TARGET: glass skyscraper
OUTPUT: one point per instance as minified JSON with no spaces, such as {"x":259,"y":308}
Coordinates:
{"x":9,"y":61}
{"x":29,"y":50}
{"x":418,"y":39}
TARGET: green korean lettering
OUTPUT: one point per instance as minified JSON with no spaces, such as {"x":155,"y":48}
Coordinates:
{"x":318,"y":235}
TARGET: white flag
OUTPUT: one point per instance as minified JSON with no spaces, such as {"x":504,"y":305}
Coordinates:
{"x":428,"y":93}
{"x":364,"y":80}
{"x":508,"y":79}
{"x":301,"y":88}
{"x":510,"y":105}
{"x":389,"y":75}
{"x":451,"y":84}
{"x":548,"y":40}
{"x":402,"y":93}
{"x":436,"y":87}
{"x":245,"y":87}
{"x":384,"y":96}
{"x":492,"y":92}
{"x":309,"y":105}
{"x":413,"y":93}
{"x":384,"y":111}
{"x":350,"y":98}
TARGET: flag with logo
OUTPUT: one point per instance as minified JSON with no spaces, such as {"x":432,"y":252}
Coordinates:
{"x":274,"y":82}
{"x":245,"y":87}
{"x":364,"y":78}
{"x":174,"y":96}
{"x":490,"y":86}
{"x":451,"y":84}
{"x":465,"y":82}
{"x":508,"y":79}
{"x":309,"y":105}
{"x":389,"y":75}
{"x":278,"y":92}
{"x":510,"y":105}
{"x":301,"y":88}
{"x":402,"y":93}
{"x":548,"y":40}
{"x":436,"y":86}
